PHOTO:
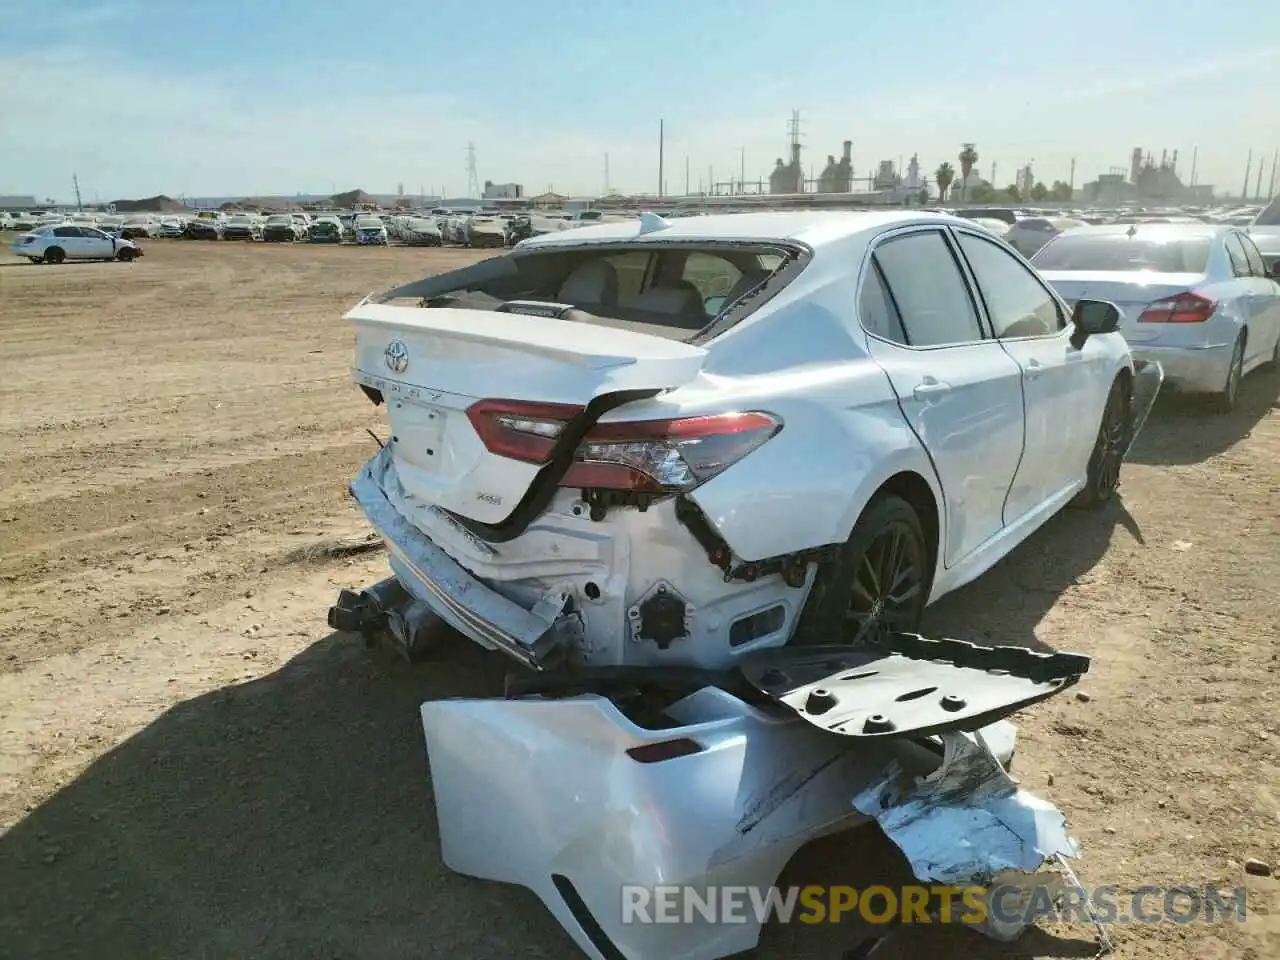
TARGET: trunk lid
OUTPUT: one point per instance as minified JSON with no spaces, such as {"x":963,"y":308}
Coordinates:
{"x":432,"y":364}
{"x":1131,"y":291}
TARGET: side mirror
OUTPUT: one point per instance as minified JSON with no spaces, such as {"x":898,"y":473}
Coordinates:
{"x":1093,"y":317}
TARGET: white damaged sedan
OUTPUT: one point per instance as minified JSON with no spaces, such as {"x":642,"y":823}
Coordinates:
{"x":680,"y":442}
{"x":703,"y":477}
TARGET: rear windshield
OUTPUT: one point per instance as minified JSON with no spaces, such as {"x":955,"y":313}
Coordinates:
{"x":670,"y":290}
{"x":1118,"y":252}
{"x":1270,"y":216}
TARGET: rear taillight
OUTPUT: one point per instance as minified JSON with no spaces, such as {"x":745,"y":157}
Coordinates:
{"x":666,"y":456}
{"x":1183,"y":308}
{"x":519,"y":430}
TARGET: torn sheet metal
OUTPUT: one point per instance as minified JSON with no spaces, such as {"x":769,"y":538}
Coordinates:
{"x":968,"y":822}
{"x":1148,"y":377}
{"x":544,"y":793}
{"x":532,"y":637}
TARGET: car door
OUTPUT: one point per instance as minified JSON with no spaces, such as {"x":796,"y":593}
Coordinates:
{"x":97,"y":244}
{"x":959,"y":390}
{"x":1264,"y":299}
{"x":69,"y":239}
{"x":1063,"y":389}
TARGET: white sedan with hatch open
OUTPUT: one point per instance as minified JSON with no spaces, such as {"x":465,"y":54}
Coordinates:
{"x":654,"y":443}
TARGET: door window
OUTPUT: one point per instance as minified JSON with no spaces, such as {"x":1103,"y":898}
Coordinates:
{"x":66,"y":232}
{"x":1017,"y":303}
{"x":1239,"y":262}
{"x":877,"y":310}
{"x":921,"y":277}
{"x":713,"y":276}
{"x":1256,"y":266}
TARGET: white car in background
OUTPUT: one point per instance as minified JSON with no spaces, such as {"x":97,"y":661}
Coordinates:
{"x":69,"y":241}
{"x":653,"y":442}
{"x":1196,"y":297}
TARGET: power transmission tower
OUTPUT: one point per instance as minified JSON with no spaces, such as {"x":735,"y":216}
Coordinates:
{"x":473,"y":178}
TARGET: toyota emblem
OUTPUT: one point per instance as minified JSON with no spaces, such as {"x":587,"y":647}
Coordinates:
{"x":396,"y":356}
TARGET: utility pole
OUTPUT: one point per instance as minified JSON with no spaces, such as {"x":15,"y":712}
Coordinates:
{"x":1072,"y":182}
{"x":1271,"y":186}
{"x":742,"y":169}
{"x":75,"y":182}
{"x":662,"y":133}
{"x":607,"y":191}
{"x":1195,"y":155}
{"x":993,"y":173}
{"x":711,"y":181}
{"x":1244,"y":191}
{"x":686,"y":175}
{"x":1257,"y":190}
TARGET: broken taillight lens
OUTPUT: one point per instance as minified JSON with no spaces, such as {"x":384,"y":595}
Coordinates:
{"x":519,"y":430}
{"x":666,"y":456}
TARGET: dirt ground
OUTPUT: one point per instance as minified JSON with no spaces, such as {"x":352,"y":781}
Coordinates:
{"x":192,"y":766}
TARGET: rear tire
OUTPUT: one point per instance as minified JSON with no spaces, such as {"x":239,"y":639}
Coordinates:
{"x":878,"y":583}
{"x":1103,"y":474}
{"x":54,"y":255}
{"x":1226,"y":400}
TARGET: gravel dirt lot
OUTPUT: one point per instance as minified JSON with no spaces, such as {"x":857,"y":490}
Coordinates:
{"x":192,"y":766}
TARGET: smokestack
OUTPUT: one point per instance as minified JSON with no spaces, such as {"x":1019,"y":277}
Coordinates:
{"x":795,"y":154}
{"x":1164,"y":159}
{"x":1174,"y":164}
{"x":1135,"y":165}
{"x":847,"y":148}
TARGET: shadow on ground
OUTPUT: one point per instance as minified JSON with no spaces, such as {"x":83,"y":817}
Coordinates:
{"x":291,"y":816}
{"x":1185,"y":429}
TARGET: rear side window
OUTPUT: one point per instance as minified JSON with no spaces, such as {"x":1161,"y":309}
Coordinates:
{"x":713,"y":276}
{"x":923,"y":280}
{"x":877,"y":310}
{"x":66,"y":232}
{"x":1239,"y":262}
{"x":1017,"y":303}
{"x":1256,"y":266}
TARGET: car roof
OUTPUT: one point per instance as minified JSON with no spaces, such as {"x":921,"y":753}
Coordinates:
{"x":812,"y":227}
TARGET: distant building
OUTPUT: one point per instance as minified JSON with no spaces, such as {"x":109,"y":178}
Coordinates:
{"x":1024,"y":180}
{"x":17,"y":202}
{"x":788,"y":178}
{"x":548,"y":201}
{"x":837,"y":176}
{"x":886,"y":177}
{"x":502,"y":191}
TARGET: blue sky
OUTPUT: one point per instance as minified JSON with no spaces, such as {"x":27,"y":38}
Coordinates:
{"x":220,"y":97}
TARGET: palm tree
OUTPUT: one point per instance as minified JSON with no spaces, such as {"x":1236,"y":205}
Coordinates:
{"x":968,"y":160}
{"x":943,"y":177}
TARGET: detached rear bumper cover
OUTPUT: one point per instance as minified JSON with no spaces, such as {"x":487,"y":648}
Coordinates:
{"x":543,"y":793}
{"x":532,"y":637}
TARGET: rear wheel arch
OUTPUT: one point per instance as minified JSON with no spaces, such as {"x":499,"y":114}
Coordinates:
{"x":915,"y":490}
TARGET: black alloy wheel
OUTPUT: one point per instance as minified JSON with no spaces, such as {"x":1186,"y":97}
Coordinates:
{"x":886,"y":582}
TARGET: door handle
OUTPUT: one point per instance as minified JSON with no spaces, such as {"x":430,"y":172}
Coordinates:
{"x":1032,"y":369}
{"x":930,"y":387}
